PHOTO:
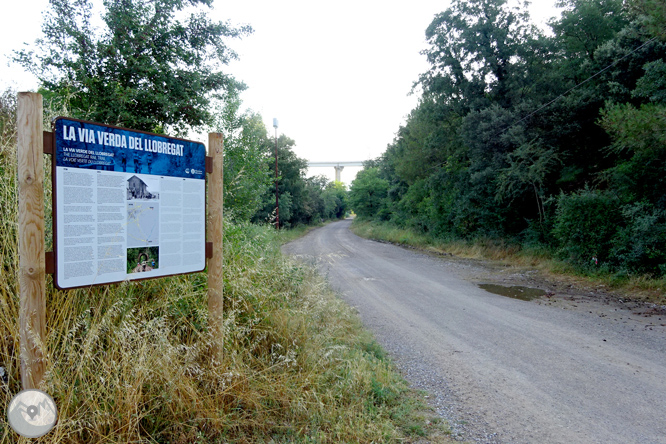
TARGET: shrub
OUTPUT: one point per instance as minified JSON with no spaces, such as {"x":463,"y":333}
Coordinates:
{"x":368,"y":193}
{"x":585,"y":223}
{"x":640,"y":244}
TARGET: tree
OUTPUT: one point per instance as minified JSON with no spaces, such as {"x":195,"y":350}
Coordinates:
{"x":291,"y":183}
{"x":428,"y":138}
{"x":334,"y":196}
{"x":479,"y":51}
{"x":587,"y":24}
{"x":528,"y":168}
{"x":639,"y":145}
{"x":367,"y":193}
{"x":510,"y":120}
{"x":151,"y":67}
{"x":302,"y":201}
{"x":652,"y":15}
{"x":585,"y":224}
{"x":245,"y":143}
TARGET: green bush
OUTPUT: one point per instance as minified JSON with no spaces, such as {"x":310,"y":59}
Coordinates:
{"x":585,"y":224}
{"x":367,"y":194}
{"x":415,"y":207}
{"x":640,"y":244}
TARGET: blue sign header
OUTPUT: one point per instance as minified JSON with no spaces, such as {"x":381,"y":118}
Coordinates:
{"x":95,"y":146}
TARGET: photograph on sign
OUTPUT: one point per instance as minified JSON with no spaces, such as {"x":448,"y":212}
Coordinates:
{"x":128,"y":204}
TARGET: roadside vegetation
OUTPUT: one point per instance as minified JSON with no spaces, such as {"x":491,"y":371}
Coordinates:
{"x":131,"y":362}
{"x":639,"y":288}
{"x":535,"y":146}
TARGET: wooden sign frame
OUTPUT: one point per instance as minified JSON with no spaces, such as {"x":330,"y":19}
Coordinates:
{"x":34,"y":262}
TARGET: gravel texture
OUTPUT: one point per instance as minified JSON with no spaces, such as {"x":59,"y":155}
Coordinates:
{"x":572,"y":366}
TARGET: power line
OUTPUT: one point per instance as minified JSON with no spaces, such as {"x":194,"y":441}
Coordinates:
{"x":564,"y":93}
{"x":574,"y":87}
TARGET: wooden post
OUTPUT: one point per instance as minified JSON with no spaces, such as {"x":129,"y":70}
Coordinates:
{"x":32,"y":277}
{"x":215,"y":235}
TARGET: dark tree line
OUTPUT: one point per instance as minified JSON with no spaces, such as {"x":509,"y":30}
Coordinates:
{"x":550,"y":140}
{"x":302,"y":200}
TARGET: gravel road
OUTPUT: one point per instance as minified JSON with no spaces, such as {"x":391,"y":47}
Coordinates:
{"x":557,"y":369}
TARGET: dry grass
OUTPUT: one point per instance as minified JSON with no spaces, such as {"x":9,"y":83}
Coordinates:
{"x":131,"y":362}
{"x":640,"y":288}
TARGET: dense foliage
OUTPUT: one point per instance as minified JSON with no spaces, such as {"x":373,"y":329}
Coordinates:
{"x":249,"y":174}
{"x":154,"y":65}
{"x":554,"y":141}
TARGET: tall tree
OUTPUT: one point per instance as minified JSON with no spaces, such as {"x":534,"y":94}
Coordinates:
{"x":291,"y":183}
{"x":245,"y":144}
{"x":651,"y":14}
{"x":479,"y":50}
{"x":586,"y":24}
{"x":555,"y":141}
{"x":153,"y":65}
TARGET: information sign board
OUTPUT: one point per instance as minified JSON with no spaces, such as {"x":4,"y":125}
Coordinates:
{"x":128,"y":204}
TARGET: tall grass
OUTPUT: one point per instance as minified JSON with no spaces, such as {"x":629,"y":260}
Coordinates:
{"x":131,"y":362}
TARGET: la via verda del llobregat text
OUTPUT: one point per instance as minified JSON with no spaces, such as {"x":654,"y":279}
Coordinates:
{"x":102,"y":138}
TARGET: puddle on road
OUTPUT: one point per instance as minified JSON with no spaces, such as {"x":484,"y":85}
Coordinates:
{"x":516,"y":292}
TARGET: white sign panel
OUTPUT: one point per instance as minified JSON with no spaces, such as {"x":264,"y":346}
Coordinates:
{"x":128,"y":204}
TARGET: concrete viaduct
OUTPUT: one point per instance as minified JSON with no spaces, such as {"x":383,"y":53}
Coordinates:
{"x":339,"y":166}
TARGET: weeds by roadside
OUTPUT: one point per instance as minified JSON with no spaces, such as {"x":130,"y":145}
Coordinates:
{"x":290,"y":234}
{"x":131,"y":362}
{"x":640,"y":288}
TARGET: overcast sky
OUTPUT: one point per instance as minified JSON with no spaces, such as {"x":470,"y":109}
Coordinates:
{"x":336,"y":75}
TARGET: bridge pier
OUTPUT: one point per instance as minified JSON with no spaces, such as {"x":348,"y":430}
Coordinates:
{"x":338,"y":170}
{"x":338,"y":166}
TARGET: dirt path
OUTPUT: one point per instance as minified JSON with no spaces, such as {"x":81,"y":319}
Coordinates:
{"x":563,"y":368}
